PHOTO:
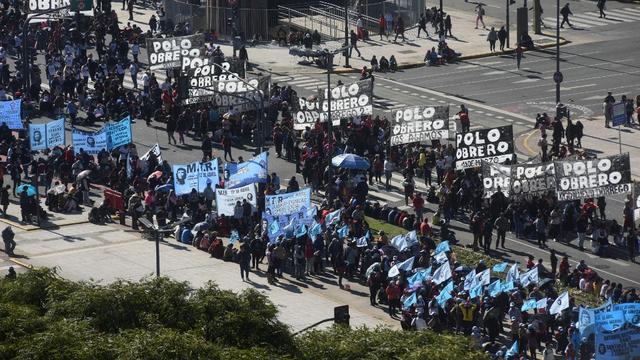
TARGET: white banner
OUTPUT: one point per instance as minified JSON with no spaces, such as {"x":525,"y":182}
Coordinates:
{"x":47,"y":136}
{"x":226,"y":198}
{"x":289,"y":203}
{"x":195,"y":175}
{"x":10,"y":113}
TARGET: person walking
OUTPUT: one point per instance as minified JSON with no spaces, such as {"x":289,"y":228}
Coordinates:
{"x":171,"y":129}
{"x":479,"y":15}
{"x":354,"y":43}
{"x":133,"y":70}
{"x":601,"y":4}
{"x":488,"y":236}
{"x":565,"y":12}
{"x":519,"y":55}
{"x":492,"y":37}
{"x":4,"y":199}
{"x":226,"y":146}
{"x":8,"y":239}
{"x":382,"y":27}
{"x":502,"y":37}
{"x":447,"y":26}
{"x":422,"y":25}
{"x":399,"y":27}
{"x":541,"y":230}
{"x":130,"y":4}
{"x":502,"y":225}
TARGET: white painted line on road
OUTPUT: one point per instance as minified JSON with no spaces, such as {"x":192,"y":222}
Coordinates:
{"x":414,"y":94}
{"x":499,"y":117}
{"x":572,"y":87}
{"x":459,"y":100}
{"x":441,"y":101}
{"x":423,"y":96}
{"x":496,"y":72}
{"x":470,"y":66}
{"x":618,"y":14}
{"x":489,"y":114}
{"x":509,"y":120}
{"x":520,"y":123}
{"x":592,"y":20}
{"x":432,"y":99}
{"x":633,"y":10}
{"x":526,"y":81}
{"x":395,"y":89}
{"x":405,"y":91}
{"x":302,"y":81}
{"x":612,"y":19}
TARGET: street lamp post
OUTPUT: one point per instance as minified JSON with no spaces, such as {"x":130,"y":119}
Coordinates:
{"x":346,"y":33}
{"x":507,"y":25}
{"x":329,"y":64}
{"x":557,"y":77}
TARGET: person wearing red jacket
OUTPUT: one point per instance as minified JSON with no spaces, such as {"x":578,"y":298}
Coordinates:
{"x":393,"y":297}
{"x":418,"y":205}
{"x":382,"y":27}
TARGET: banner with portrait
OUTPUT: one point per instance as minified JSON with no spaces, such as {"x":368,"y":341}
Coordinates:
{"x":491,"y":145}
{"x":48,"y":135}
{"x":119,"y":133}
{"x":10,"y":113}
{"x":90,"y":142}
{"x":277,"y":225}
{"x":195,"y":175}
{"x":226,"y":199}
{"x":622,"y":343}
{"x":254,"y":170}
{"x":419,"y":123}
{"x":288,"y":203}
{"x":582,"y":179}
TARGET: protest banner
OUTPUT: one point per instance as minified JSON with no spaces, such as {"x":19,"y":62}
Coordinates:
{"x":491,"y":145}
{"x":119,"y":133}
{"x":587,"y":317}
{"x":581,"y":179}
{"x":226,"y":198}
{"x":630,"y":311}
{"x":251,"y":171}
{"x":155,"y":150}
{"x":167,"y":53}
{"x":10,"y":113}
{"x":347,"y":101}
{"x":495,"y":177}
{"x":276,"y":225}
{"x":48,"y":135}
{"x":419,"y":123}
{"x":609,"y":320}
{"x":90,"y":142}
{"x":532,"y":180}
{"x":195,"y":175}
{"x":205,"y":88}
{"x":288,"y":203}
{"x":306,"y":112}
{"x":620,"y":344}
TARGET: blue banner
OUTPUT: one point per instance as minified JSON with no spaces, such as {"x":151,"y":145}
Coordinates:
{"x":587,"y":318}
{"x":609,"y":320}
{"x":500,"y":267}
{"x":119,"y":133}
{"x":631,"y":312}
{"x":252,"y":171}
{"x":275,"y":225}
{"x":10,"y":114}
{"x":445,"y":294}
{"x":195,"y":176}
{"x":288,"y":203}
{"x":620,"y":344}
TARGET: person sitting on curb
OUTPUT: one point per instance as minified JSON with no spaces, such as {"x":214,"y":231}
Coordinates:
{"x":384,"y":64}
{"x":393,"y":64}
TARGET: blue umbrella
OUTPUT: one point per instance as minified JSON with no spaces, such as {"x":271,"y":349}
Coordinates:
{"x":164,"y":188}
{"x":31,"y":191}
{"x":350,"y":161}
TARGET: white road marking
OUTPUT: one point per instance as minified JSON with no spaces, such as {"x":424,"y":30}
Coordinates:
{"x":526,"y":81}
{"x":572,"y":87}
{"x":470,"y":66}
{"x":496,"y":72}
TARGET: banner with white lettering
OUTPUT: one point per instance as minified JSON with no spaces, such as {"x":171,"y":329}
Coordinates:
{"x":224,"y":90}
{"x":419,"y":123}
{"x":288,"y":203}
{"x":167,"y":53}
{"x":619,"y":344}
{"x":226,"y":198}
{"x":47,"y":136}
{"x":347,"y":101}
{"x":10,"y":113}
{"x":306,"y":112}
{"x":91,"y":142}
{"x":490,"y":145}
{"x":496,"y":177}
{"x":66,"y":8}
{"x":275,"y":226}
{"x":251,"y":171}
{"x":532,"y":180}
{"x":582,"y":179}
{"x":195,"y":175}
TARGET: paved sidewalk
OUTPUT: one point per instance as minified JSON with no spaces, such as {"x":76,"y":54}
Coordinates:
{"x":597,"y":140}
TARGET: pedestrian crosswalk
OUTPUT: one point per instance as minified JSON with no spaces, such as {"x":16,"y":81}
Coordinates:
{"x":592,"y":18}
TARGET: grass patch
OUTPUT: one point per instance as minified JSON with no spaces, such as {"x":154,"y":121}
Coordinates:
{"x":390,"y":230}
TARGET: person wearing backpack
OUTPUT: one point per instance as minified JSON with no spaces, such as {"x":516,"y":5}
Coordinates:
{"x":480,"y":14}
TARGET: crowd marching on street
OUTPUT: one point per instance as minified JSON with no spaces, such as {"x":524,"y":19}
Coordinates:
{"x":239,"y":210}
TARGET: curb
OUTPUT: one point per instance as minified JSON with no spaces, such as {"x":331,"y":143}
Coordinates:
{"x":23,"y":264}
{"x":563,"y":41}
{"x":43,"y":227}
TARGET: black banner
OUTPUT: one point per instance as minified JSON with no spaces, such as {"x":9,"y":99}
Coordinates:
{"x":582,"y":179}
{"x":490,"y":145}
{"x":530,"y":180}
{"x":306,"y":112}
{"x":496,"y":177}
{"x":347,"y":101}
{"x":169,"y":53}
{"x":419,"y":123}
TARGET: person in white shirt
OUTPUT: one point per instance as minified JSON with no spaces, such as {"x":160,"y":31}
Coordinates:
{"x":84,"y":73}
{"x":388,"y":167}
{"x":133,"y":70}
{"x":120,"y":72}
{"x":145,"y":83}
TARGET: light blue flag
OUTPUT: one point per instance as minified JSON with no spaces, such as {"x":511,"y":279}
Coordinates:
{"x":368,"y":235}
{"x":301,"y":230}
{"x":333,"y":217}
{"x":362,"y":242}
{"x":468,"y":280}
{"x":507,"y":286}
{"x":475,"y":291}
{"x":619,"y":344}
{"x":420,"y":276}
{"x":290,"y":228}
{"x":514,"y":349}
{"x":315,"y":230}
{"x":495,"y":288}
{"x":482,"y":278}
{"x":343,"y":232}
{"x":402,"y":242}
{"x":448,"y":288}
{"x":411,"y":300}
{"x":443,"y":247}
{"x":251,"y":171}
{"x":530,"y":277}
{"x":513,"y":274}
{"x":274,"y":227}
{"x":235,"y":236}
{"x":500,"y":267}
{"x":442,"y":274}
{"x":631,"y":312}
{"x":445,"y":294}
{"x":529,"y":304}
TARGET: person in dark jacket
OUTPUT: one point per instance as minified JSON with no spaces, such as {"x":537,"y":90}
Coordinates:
{"x":245,"y":261}
{"x":7,"y":238}
{"x":502,"y":37}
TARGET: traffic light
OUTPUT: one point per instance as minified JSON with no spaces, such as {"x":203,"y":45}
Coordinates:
{"x":341,"y":315}
{"x":81,"y":5}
